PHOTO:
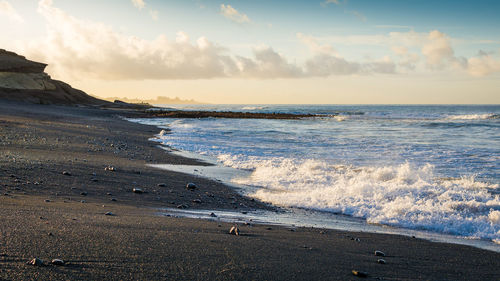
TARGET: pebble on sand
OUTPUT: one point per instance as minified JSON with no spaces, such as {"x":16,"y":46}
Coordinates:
{"x":66,"y":173}
{"x":110,"y":168}
{"x":198,"y":201}
{"x":36,"y":262}
{"x":161,"y":185}
{"x":109,"y":214}
{"x":83,"y":193}
{"x":191,"y":186}
{"x":137,"y":190}
{"x":361,"y":274}
{"x":381,"y":261}
{"x":379,"y":254}
{"x":234,"y":230}
{"x":57,"y":262}
{"x":213,"y":215}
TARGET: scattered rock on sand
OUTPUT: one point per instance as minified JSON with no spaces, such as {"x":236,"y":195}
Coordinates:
{"x":110,"y":168}
{"x":137,"y":190}
{"x":35,"y":262}
{"x":234,"y":230}
{"x":66,"y":173}
{"x":191,"y":186}
{"x":47,"y":200}
{"x":83,"y":193}
{"x":161,"y":185}
{"x":213,"y":215}
{"x":381,"y":261}
{"x":182,"y":206}
{"x":113,"y":199}
{"x":57,"y":262}
{"x":379,"y":254}
{"x":198,"y":201}
{"x":109,"y":214}
{"x":361,"y":274}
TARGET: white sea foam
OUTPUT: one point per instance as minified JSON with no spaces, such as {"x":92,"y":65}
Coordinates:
{"x":473,"y":116}
{"x":403,"y":195}
{"x":253,"y":107}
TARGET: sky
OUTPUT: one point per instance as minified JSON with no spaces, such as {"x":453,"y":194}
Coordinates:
{"x":258,"y":52}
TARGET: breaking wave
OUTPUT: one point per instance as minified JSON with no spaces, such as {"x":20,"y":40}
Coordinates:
{"x":403,"y":195}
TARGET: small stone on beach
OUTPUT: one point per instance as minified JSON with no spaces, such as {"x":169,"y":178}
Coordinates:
{"x":379,"y":254}
{"x":161,"y":185}
{"x":198,"y":201}
{"x":66,"y":173}
{"x":191,"y":186}
{"x":109,"y":214}
{"x":234,"y":230}
{"x":213,"y":215}
{"x":137,"y":190}
{"x":35,"y":262}
{"x":83,"y":193}
{"x":110,"y":168}
{"x":359,"y":274}
{"x":47,"y":200}
{"x":381,"y":261}
{"x":57,"y":262}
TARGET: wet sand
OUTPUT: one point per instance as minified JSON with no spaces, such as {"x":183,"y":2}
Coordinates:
{"x":43,"y":215}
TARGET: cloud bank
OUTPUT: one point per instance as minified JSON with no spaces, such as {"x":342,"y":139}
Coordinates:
{"x":81,"y":49}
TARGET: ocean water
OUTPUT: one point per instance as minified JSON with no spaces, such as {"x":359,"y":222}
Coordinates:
{"x":432,"y":168}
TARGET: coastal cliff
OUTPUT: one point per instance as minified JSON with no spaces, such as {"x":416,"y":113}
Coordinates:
{"x":25,"y":80}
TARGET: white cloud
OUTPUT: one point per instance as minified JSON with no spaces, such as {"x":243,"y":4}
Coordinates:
{"x":438,"y":50}
{"x":231,"y":13}
{"x":139,"y":4}
{"x":8,"y":11}
{"x":315,"y":46}
{"x":79,"y":48}
{"x":327,"y":61}
{"x":407,"y":59}
{"x":482,"y":65}
{"x":267,"y":64}
{"x":76,"y":48}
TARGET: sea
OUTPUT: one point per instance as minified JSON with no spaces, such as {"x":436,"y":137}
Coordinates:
{"x":431,"y":169}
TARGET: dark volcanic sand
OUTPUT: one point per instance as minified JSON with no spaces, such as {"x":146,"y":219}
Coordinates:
{"x":38,"y":143}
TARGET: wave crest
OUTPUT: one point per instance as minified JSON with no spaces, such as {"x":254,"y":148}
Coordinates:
{"x":403,"y":195}
{"x":473,"y":116}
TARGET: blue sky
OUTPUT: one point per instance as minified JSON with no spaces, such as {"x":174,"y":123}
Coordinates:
{"x":351,"y":46}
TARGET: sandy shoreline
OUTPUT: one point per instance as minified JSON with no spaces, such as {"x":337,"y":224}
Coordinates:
{"x":38,"y":143}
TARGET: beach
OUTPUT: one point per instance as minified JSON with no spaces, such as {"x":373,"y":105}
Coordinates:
{"x":63,"y":168}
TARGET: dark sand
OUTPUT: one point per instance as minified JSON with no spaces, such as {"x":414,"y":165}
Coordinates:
{"x":38,"y":143}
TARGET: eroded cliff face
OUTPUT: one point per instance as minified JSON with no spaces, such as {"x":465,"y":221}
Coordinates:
{"x":25,"y":80}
